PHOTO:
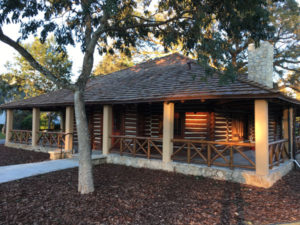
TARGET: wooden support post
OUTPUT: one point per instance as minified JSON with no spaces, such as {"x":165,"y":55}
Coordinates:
{"x":107,"y":129}
{"x":35,"y":125}
{"x":69,"y":128}
{"x":9,"y":125}
{"x":168,"y":131}
{"x":285,"y":126}
{"x":291,"y":132}
{"x":261,"y":137}
{"x":62,"y":121}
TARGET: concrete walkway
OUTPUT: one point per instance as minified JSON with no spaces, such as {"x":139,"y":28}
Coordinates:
{"x":2,"y":141}
{"x":16,"y":172}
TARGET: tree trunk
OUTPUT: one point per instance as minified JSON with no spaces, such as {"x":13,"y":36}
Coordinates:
{"x":85,"y":175}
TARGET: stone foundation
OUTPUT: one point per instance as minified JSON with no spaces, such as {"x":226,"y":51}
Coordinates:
{"x":98,"y":159}
{"x":219,"y":173}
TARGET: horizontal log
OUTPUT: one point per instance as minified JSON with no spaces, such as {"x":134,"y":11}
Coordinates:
{"x":204,"y":135}
{"x":195,"y":130}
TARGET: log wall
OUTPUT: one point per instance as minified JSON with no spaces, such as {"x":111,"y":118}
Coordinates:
{"x":196,"y":125}
{"x":146,"y":120}
{"x":96,"y":128}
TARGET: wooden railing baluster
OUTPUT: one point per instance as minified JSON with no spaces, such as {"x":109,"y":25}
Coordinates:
{"x":148,"y":149}
{"x":209,"y":155}
{"x":20,"y":136}
{"x":208,"y":152}
{"x":231,"y":158}
{"x":137,"y":146}
{"x":134,"y":147}
{"x":217,"y":153}
{"x":121,"y":146}
{"x":277,"y":152}
{"x":189,"y":153}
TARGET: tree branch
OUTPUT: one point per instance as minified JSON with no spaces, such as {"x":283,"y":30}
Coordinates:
{"x":286,"y":61}
{"x":33,"y":62}
{"x":91,"y":42}
{"x":286,"y":68}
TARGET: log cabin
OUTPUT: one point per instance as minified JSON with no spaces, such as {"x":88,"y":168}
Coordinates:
{"x":167,"y":114}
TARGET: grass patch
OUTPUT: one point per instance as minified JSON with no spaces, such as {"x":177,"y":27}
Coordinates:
{"x":2,"y":136}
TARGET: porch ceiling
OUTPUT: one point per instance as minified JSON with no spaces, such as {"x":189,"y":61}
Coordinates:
{"x":164,"y":79}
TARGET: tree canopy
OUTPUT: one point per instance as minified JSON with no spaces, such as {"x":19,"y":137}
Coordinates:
{"x":30,"y":82}
{"x":285,"y":17}
{"x":112,"y":63}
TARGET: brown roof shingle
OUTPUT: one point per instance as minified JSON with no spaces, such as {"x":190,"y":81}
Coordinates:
{"x":162,"y":79}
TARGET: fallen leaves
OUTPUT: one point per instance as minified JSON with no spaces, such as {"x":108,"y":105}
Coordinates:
{"x":126,"y":195}
{"x":12,"y":156}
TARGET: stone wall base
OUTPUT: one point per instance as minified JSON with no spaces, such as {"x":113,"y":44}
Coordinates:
{"x":219,"y":173}
{"x":98,"y":159}
{"x":54,"y":152}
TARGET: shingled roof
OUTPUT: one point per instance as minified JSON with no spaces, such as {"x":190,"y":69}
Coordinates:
{"x":173,"y":77}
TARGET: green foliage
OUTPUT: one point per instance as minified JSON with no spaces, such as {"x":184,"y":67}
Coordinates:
{"x":7,"y":90}
{"x":29,"y":82}
{"x":2,"y":136}
{"x":19,"y":117}
{"x":222,"y":51}
{"x":111,"y":63}
{"x":26,"y":124}
{"x":286,"y":18}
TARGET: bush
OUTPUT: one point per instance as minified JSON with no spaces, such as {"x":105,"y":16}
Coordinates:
{"x":26,"y":124}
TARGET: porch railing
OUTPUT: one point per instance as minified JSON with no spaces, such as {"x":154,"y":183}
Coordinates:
{"x":227,"y":154}
{"x":21,"y":136}
{"x":51,"y":139}
{"x":298,"y":145}
{"x":149,"y":147}
{"x":277,"y":152}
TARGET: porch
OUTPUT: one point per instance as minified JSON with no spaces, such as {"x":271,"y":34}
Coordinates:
{"x":226,"y":137}
{"x":58,"y":142}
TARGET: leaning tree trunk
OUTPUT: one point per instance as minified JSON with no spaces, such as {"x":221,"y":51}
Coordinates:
{"x":85,"y":175}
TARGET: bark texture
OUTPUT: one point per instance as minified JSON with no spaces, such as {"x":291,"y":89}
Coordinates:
{"x":85,"y":175}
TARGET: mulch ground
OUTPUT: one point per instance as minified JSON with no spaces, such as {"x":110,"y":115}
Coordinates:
{"x":126,"y":195}
{"x":11,"y":156}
